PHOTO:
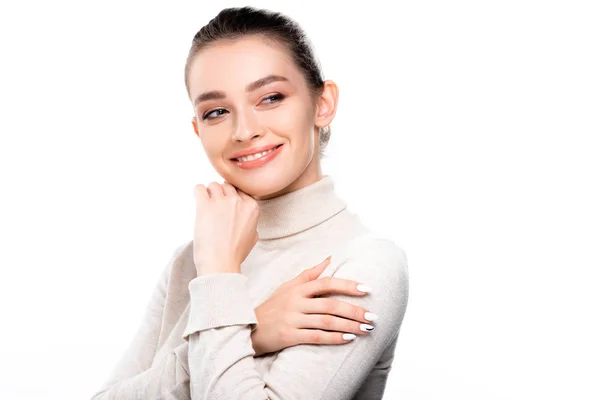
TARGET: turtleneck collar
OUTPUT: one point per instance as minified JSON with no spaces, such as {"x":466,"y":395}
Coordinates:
{"x":299,"y":210}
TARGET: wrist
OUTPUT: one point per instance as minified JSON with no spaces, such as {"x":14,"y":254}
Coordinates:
{"x":204,"y":271}
{"x":216,"y":267}
{"x":257,"y":350}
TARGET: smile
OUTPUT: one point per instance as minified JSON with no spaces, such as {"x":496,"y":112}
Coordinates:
{"x":256,"y":155}
{"x":257,"y":160}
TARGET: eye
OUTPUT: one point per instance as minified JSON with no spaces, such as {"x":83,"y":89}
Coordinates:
{"x":219,"y":111}
{"x":274,"y":97}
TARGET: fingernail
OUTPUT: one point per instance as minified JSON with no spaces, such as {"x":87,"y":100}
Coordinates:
{"x":348,"y":336}
{"x":366,"y":327}
{"x":328,"y":258}
{"x":363,"y":288}
{"x":369,"y":316}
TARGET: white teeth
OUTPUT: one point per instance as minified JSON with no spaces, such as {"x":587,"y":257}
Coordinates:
{"x":254,"y":156}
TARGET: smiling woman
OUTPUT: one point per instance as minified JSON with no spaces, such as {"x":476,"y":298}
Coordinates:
{"x":238,"y":313}
{"x":270,"y":102}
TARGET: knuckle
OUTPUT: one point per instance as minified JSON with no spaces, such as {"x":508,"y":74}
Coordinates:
{"x":294,"y":294}
{"x":330,"y":306}
{"x":358,"y":313}
{"x":315,"y":337}
{"x":326,"y":322}
{"x":284,"y":335}
{"x":288,"y":320}
{"x":324,"y":283}
{"x":199,"y":188}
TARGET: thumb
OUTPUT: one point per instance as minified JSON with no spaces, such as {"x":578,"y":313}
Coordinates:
{"x":312,"y":273}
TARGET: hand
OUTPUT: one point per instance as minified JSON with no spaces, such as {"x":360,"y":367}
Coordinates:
{"x":290,"y":316}
{"x":225,"y":228}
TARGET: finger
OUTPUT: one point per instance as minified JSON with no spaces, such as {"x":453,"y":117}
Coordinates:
{"x":333,"y":323}
{"x":244,"y":195}
{"x":229,"y":190}
{"x":331,"y":306}
{"x":333,"y":285}
{"x":316,"y":336}
{"x":215,"y":190}
{"x":200,"y":193}
{"x":312,"y":273}
{"x":251,"y":205}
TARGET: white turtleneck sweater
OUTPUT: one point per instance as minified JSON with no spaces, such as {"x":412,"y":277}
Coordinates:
{"x":194,"y":341}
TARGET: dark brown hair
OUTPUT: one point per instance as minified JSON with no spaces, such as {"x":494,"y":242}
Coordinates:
{"x":235,"y":23}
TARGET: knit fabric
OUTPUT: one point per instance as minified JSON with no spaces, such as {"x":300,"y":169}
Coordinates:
{"x":194,"y":341}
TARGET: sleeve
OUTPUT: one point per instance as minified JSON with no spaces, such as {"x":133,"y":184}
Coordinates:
{"x":374,"y":385}
{"x":134,"y":376}
{"x":221,"y":318}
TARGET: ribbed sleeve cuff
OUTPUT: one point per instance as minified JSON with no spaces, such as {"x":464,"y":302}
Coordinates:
{"x":220,"y":299}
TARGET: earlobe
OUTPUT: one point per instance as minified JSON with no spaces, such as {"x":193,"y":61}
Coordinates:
{"x":327,"y":104}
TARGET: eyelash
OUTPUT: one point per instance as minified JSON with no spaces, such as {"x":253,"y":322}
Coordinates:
{"x":278,"y":97}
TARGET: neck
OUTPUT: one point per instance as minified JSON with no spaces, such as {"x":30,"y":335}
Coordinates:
{"x":298,"y":210}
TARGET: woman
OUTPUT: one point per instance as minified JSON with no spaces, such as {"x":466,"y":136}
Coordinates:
{"x":236,"y":314}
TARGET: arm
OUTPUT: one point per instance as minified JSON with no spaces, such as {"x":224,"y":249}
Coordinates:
{"x":374,"y":385}
{"x":221,"y":359}
{"x":134,"y":376}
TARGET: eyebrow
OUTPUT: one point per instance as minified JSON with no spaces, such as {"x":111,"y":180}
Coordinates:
{"x":218,"y":95}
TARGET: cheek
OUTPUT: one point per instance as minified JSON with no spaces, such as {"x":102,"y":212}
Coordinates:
{"x":281,"y":120}
{"x":212,"y":143}
{"x":290,"y":120}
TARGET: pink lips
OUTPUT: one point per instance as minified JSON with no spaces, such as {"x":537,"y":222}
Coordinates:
{"x":259,"y":162}
{"x":254,"y":150}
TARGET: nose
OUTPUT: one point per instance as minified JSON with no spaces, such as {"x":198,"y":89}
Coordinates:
{"x":247,"y":126}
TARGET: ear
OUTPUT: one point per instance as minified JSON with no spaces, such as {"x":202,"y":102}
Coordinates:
{"x":195,"y":125}
{"x":327,"y":104}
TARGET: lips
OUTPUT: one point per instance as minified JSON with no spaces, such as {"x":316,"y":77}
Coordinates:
{"x":254,"y":150}
{"x":259,"y":161}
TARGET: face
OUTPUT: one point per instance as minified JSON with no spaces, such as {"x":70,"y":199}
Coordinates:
{"x":249,"y":97}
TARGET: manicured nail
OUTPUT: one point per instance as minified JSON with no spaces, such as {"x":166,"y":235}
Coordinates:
{"x":366,"y":327}
{"x":363,"y":288}
{"x":369,"y":316}
{"x":328,"y":258}
{"x":348,"y":336}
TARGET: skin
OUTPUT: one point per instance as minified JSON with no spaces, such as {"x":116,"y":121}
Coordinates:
{"x":256,"y":118}
{"x":227,"y":214}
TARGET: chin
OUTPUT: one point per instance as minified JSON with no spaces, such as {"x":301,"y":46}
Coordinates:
{"x":260,"y":188}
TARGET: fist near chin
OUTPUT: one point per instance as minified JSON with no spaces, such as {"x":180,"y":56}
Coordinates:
{"x":225,"y":227}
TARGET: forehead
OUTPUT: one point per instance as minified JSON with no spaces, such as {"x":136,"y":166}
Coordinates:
{"x":231,"y":65}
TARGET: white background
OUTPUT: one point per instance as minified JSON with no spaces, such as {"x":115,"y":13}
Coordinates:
{"x":467,"y":131}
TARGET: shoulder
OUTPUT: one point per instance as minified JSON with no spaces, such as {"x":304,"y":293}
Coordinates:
{"x":382,"y":265}
{"x":183,"y":249}
{"x":376,"y":258}
{"x":180,"y":262}
{"x":375,"y":261}
{"x":376,"y":248}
